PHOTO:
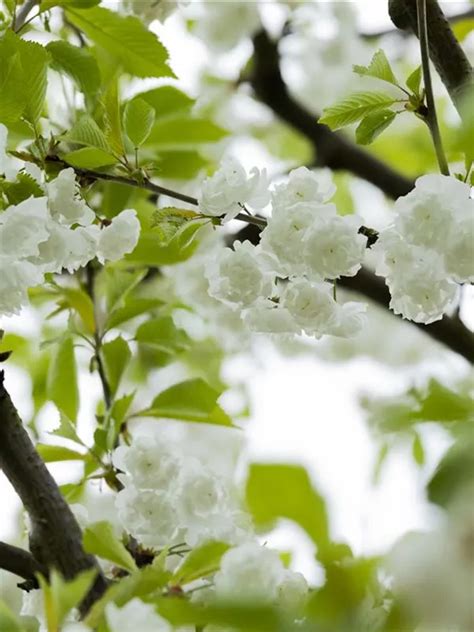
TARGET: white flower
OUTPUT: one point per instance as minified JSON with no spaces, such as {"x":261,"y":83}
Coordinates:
{"x":459,"y":258}
{"x":23,"y":227}
{"x":149,"y":464}
{"x":249,"y":573}
{"x":292,"y":591}
{"x":222,"y":25}
{"x":201,"y":493}
{"x":150,"y":10}
{"x":268,"y":317}
{"x":312,"y":306}
{"x":223,"y":193}
{"x":334,"y":248}
{"x":15,"y":279}
{"x":67,"y":249}
{"x":304,"y":185}
{"x":352,"y":320}
{"x":65,"y":203}
{"x":148,"y":515}
{"x":120,"y":237}
{"x":135,"y":616}
{"x":238,"y":277}
{"x":285,"y":232}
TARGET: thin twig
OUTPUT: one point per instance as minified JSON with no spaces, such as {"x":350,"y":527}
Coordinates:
{"x":22,"y":15}
{"x":431,"y":116}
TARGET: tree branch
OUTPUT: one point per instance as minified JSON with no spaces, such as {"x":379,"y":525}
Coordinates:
{"x":446,"y":53}
{"x":55,"y":537}
{"x":332,"y":149}
{"x":23,"y":14}
{"x":450,"y":331}
{"x":20,"y":562}
{"x":452,"y":19}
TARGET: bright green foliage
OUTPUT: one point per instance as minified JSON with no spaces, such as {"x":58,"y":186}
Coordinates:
{"x":24,"y":187}
{"x":356,"y":107}
{"x":201,"y":562}
{"x":285,"y":491}
{"x":193,"y":400}
{"x":455,"y":473}
{"x":373,"y":125}
{"x":89,"y":158}
{"x":56,"y":453}
{"x":414,"y":80}
{"x":379,"y":68}
{"x":167,"y":101}
{"x":87,"y":132}
{"x":116,"y":354}
{"x":62,"y":378}
{"x":80,"y":4}
{"x":99,"y":539}
{"x":126,"y":38}
{"x":418,"y":450}
{"x":162,"y":334}
{"x":182,"y":132}
{"x":79,"y":64}
{"x":9,"y":622}
{"x":61,"y":596}
{"x":112,"y":118}
{"x":139,"y":117}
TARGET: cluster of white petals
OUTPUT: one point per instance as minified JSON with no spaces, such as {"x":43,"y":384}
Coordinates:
{"x":230,"y":187}
{"x":251,"y":573}
{"x":429,"y":248}
{"x":169,"y":497}
{"x":150,"y":10}
{"x":52,"y":233}
{"x":222,"y":25}
{"x":282,"y":286}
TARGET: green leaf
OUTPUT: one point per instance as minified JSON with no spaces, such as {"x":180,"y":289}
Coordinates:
{"x":285,"y":491}
{"x":167,"y":100}
{"x":61,"y":596}
{"x":169,"y":220}
{"x":81,"y":303}
{"x":162,"y":334}
{"x":418,"y":450}
{"x":414,"y":81}
{"x":56,"y":453}
{"x":179,"y":165}
{"x":379,"y":68}
{"x":200,"y":562}
{"x":355,"y":107}
{"x":150,"y":252}
{"x":116,"y":354}
{"x":12,"y":86}
{"x":66,"y":430}
{"x":455,"y":473}
{"x":99,"y":539}
{"x":193,"y":400}
{"x":112,"y":118}
{"x":34,"y":60}
{"x":9,"y":622}
{"x":77,"y":63}
{"x":62,"y":379}
{"x":184,"y":132}
{"x":126,"y":38}
{"x":132,"y":308}
{"x":89,"y":158}
{"x":118,"y":285}
{"x":24,"y":187}
{"x":86,"y":132}
{"x":373,"y":125}
{"x":120,"y":410}
{"x":80,"y":4}
{"x":139,"y":117}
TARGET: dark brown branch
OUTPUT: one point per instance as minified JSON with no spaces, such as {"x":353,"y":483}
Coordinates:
{"x":453,"y":19}
{"x":20,"y":562}
{"x":450,"y":332}
{"x":332,"y":149}
{"x":55,"y":536}
{"x":446,"y":53}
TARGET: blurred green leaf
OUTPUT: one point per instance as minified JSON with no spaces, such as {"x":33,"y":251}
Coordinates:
{"x":117,"y":355}
{"x":79,"y":64}
{"x":200,"y":562}
{"x":56,"y":453}
{"x":181,"y":132}
{"x":99,"y":539}
{"x":89,"y":158}
{"x":62,"y":385}
{"x":61,"y":596}
{"x":167,"y":100}
{"x":139,"y":117}
{"x":162,"y":334}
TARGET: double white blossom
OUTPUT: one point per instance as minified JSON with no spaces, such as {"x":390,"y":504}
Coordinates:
{"x":222,"y":25}
{"x":224,"y":193}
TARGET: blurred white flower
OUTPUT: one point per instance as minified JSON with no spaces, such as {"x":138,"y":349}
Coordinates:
{"x":303,"y":185}
{"x":222,"y":25}
{"x":120,"y":237}
{"x":312,"y":306}
{"x":65,"y":203}
{"x":16,"y":277}
{"x":23,"y":227}
{"x":135,"y":616}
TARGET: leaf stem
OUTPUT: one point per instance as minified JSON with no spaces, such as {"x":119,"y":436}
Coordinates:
{"x":431,"y":116}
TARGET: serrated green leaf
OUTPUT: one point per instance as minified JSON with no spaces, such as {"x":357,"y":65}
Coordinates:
{"x":112,"y":118}
{"x":168,"y":221}
{"x":414,"y":81}
{"x":56,"y":453}
{"x":46,"y":5}
{"x":373,"y":125}
{"x":355,"y":107}
{"x":126,"y":38}
{"x":184,"y":132}
{"x":116,"y":354}
{"x":192,"y":400}
{"x":66,"y":430}
{"x":379,"y":68}
{"x":12,"y":87}
{"x":139,"y":117}
{"x":62,"y":385}
{"x":149,"y":251}
{"x":162,"y":334}
{"x":86,"y":132}
{"x":99,"y":539}
{"x":285,"y":491}
{"x":24,"y":188}
{"x":89,"y":158}
{"x":77,"y":63}
{"x":200,"y":562}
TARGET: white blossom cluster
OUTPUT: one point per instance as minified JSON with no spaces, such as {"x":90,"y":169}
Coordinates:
{"x":149,"y":10}
{"x":429,"y":249}
{"x":169,"y":497}
{"x":251,"y":573}
{"x":283,"y":285}
{"x":53,"y":232}
{"x":222,"y":25}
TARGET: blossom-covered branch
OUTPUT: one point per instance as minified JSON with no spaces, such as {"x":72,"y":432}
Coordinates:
{"x":55,"y":536}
